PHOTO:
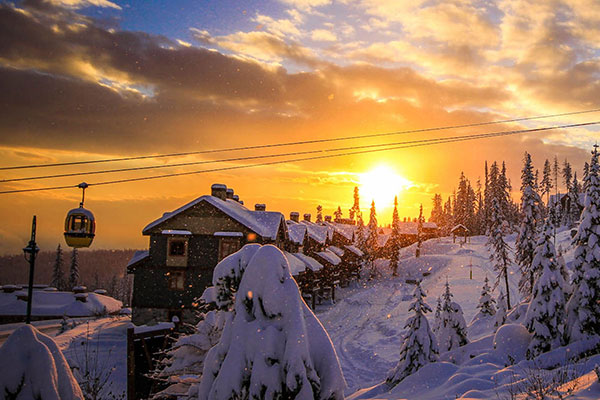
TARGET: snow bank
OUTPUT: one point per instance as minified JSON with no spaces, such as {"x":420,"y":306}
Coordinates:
{"x":511,"y":341}
{"x":33,"y":367}
{"x":59,"y":304}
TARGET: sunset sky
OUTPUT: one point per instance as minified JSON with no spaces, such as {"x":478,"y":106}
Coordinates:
{"x":92,"y":79}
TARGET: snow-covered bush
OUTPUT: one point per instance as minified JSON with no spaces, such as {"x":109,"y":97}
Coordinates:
{"x":274,"y":346}
{"x":419,"y":346}
{"x":501,"y":310}
{"x":33,"y":367}
{"x":452,"y":332}
{"x":546,"y":312}
{"x":228,"y":273}
{"x":511,"y":341}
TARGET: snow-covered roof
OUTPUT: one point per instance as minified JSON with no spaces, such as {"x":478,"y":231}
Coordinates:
{"x":296,"y":232}
{"x":265,"y":223}
{"x":175,"y":232}
{"x":229,"y":234}
{"x":354,"y":250}
{"x":138,"y":256}
{"x":329,"y":257}
{"x":310,"y":262}
{"x":316,"y":232}
{"x":345,"y":230}
{"x":382,"y":239}
{"x":58,"y":304}
{"x":336,"y":250}
{"x":459,"y":226}
{"x":296,"y":264}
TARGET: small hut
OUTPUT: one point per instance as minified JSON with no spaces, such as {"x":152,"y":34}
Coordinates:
{"x":461,"y":231}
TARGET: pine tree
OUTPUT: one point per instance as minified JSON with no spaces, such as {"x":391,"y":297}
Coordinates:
{"x":319,"y":214}
{"x":546,"y":184}
{"x":500,"y":311}
{"x":486,"y":302}
{"x":499,"y":249}
{"x":419,"y":345}
{"x":372,"y":241}
{"x":337,"y":214}
{"x":74,"y":270}
{"x":525,"y":244}
{"x":437,"y":211}
{"x":361,"y":235}
{"x":546,"y":312}
{"x":453,"y":328}
{"x":575,"y":206}
{"x":355,"y":210}
{"x":58,"y":275}
{"x":567,"y":174}
{"x":437,"y":317}
{"x":395,"y":240}
{"x":419,"y":231}
{"x":583,"y":307}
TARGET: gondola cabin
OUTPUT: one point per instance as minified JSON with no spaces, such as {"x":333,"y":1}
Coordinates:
{"x":80,"y":226}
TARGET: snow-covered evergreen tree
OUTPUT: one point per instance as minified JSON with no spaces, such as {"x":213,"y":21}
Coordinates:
{"x":575,"y":206}
{"x":355,"y":210}
{"x":584,"y":308}
{"x":74,"y":270}
{"x":58,"y":275}
{"x":274,"y":346}
{"x":337,"y":214}
{"x":361,"y":234}
{"x":526,"y":239}
{"x":395,"y":240}
{"x":486,"y":302}
{"x":419,"y":231}
{"x":546,"y":184}
{"x":499,"y":249}
{"x":372,"y":242}
{"x":546,"y":312}
{"x":453,"y":328}
{"x":437,"y":316}
{"x":319,"y":214}
{"x":501,"y":310}
{"x":419,"y":345}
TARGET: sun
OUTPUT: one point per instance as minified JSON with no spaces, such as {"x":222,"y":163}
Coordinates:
{"x":381,"y":184}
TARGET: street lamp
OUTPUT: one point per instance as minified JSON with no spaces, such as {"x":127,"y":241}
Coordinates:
{"x":31,"y":249}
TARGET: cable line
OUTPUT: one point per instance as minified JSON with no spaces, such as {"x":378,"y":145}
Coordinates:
{"x":271,"y":145}
{"x":247,"y":158}
{"x":427,"y":142}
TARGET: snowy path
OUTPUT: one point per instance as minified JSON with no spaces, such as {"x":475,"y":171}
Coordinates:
{"x":366,"y":324}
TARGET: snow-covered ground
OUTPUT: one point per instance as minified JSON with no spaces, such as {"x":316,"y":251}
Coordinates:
{"x":366,"y":327}
{"x":59,"y":303}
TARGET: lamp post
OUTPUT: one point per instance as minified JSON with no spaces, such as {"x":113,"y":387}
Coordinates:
{"x":32,"y":250}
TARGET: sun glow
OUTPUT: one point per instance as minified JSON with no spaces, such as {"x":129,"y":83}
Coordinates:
{"x":381,"y":184}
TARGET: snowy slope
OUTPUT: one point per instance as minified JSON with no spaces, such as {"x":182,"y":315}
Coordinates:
{"x":366,"y":327}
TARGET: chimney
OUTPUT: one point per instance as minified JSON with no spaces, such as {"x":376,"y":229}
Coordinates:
{"x":229,"y":193}
{"x":328,"y":218}
{"x":219,"y":190}
{"x":307,"y":217}
{"x":295,"y":216}
{"x":242,"y":202}
{"x":236,"y":198}
{"x":260,"y":207}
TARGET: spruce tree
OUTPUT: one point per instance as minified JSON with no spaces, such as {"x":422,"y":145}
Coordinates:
{"x":501,"y":310}
{"x":526,"y":239}
{"x":74,"y":270}
{"x":583,"y":307}
{"x":419,"y":345}
{"x":419,"y":231}
{"x":546,"y":312}
{"x":486,"y":302}
{"x":337,"y":214}
{"x":361,"y":234}
{"x":575,"y":206}
{"x":319,"y":214}
{"x":58,"y":275}
{"x":395,"y":240}
{"x":355,"y":210}
{"x":437,"y":211}
{"x":372,"y":240}
{"x":453,"y":329}
{"x":567,"y":174}
{"x":499,"y":249}
{"x":546,"y":184}
{"x":437,"y":316}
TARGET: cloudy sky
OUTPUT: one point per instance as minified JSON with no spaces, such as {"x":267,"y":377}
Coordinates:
{"x":92,"y":79}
